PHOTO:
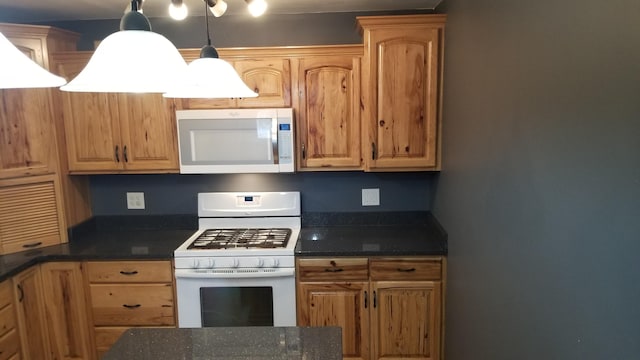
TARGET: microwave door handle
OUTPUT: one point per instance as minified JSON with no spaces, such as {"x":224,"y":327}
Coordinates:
{"x":274,"y":140}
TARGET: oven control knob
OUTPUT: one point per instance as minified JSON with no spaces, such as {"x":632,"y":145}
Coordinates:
{"x":235,"y":263}
{"x":272,"y":262}
{"x":210,"y":263}
{"x":259,"y":262}
{"x":195,"y":263}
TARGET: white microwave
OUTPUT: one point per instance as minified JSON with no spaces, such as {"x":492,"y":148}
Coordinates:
{"x":222,"y":141}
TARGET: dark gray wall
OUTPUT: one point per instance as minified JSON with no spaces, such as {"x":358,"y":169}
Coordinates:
{"x":540,"y":191}
{"x":320,"y":192}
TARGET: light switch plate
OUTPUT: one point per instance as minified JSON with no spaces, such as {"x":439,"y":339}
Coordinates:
{"x":370,"y":197}
{"x":135,"y":200}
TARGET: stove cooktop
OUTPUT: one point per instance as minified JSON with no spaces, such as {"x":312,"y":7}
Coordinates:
{"x":249,"y":238}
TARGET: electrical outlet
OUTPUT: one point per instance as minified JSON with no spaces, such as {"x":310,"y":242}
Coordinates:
{"x":135,"y":200}
{"x":370,"y":197}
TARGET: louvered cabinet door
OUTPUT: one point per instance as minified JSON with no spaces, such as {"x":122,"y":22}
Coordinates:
{"x":30,"y":214}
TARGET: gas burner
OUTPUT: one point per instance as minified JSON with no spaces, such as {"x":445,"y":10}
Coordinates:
{"x":241,"y":238}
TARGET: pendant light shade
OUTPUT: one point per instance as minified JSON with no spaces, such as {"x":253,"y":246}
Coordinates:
{"x":211,"y":78}
{"x":18,"y":71}
{"x":132,"y":60}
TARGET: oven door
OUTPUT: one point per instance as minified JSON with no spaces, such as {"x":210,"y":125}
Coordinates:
{"x":237,"y":297}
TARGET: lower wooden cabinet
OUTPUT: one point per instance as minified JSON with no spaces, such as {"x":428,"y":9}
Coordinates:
{"x":9,"y":333}
{"x":388,"y":308}
{"x":32,"y":321}
{"x":66,"y":309}
{"x":128,"y":294}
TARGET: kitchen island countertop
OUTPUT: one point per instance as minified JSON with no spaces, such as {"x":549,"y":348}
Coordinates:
{"x":232,"y":343}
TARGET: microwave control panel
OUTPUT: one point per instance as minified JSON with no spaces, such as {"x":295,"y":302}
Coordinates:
{"x":285,"y":143}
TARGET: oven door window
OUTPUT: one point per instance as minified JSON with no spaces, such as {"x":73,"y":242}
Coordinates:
{"x":236,"y":306}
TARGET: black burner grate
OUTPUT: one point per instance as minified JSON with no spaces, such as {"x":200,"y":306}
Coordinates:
{"x":241,"y":238}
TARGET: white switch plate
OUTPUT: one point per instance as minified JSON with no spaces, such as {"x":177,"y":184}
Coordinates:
{"x":135,"y":200}
{"x":370,"y":197}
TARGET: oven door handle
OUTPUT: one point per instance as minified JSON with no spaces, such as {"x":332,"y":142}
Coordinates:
{"x":232,"y":273}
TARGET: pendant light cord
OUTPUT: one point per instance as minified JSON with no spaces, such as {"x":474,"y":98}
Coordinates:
{"x":206,"y":19}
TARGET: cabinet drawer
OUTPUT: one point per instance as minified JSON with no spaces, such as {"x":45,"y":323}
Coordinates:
{"x":7,"y":319}
{"x":333,"y":269}
{"x":129,"y":271}
{"x":132,"y":304}
{"x":9,"y":344}
{"x":406,"y":269}
{"x":6,"y":293}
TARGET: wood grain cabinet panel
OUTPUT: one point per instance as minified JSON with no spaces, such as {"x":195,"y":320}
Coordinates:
{"x":9,"y":336}
{"x":329,"y":113}
{"x":391,"y":313}
{"x":67,"y":310}
{"x":402,"y":83}
{"x":30,"y":313}
{"x":129,"y":272}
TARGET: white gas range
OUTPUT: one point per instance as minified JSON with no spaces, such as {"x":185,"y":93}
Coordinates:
{"x":238,"y":269}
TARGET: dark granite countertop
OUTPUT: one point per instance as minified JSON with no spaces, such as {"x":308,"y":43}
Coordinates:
{"x":247,"y":343}
{"x":322,"y":234}
{"x":372,"y":234}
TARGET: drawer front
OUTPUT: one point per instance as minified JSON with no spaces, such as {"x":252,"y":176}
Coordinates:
{"x":7,"y":319}
{"x":9,"y":344}
{"x":406,"y":269}
{"x":6,"y":293}
{"x":129,"y":271}
{"x":30,"y":244}
{"x":132,"y":304}
{"x":330,"y":269}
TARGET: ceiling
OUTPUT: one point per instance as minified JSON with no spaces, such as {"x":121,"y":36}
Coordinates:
{"x":61,"y":10}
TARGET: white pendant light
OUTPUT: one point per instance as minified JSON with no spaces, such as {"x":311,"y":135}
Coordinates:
{"x":132,"y":60}
{"x":210,"y":77}
{"x":18,"y":71}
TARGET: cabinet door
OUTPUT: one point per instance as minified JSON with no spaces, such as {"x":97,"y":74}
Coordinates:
{"x":403,"y":84}
{"x":32,"y":321}
{"x":91,"y":123}
{"x":9,"y":338}
{"x":406,"y":319}
{"x":66,"y":310}
{"x":271,"y":79}
{"x":343,"y":304}
{"x":148,"y":132}
{"x":329,"y":115}
{"x":26,"y":133}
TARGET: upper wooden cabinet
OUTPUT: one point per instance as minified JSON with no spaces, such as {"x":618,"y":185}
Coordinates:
{"x":328,"y":121}
{"x":402,"y":82}
{"x":108,"y":132}
{"x":26,"y":117}
{"x":264,"y":71}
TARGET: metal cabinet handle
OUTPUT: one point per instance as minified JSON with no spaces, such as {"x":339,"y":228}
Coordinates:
{"x":32,"y":245}
{"x":334,"y":270}
{"x":20,"y":293}
{"x":373,"y":151}
{"x":407,"y":270}
{"x":304,"y":152}
{"x":134,"y":272}
{"x":117,"y":153}
{"x":131,"y":306}
{"x":374,"y":299}
{"x":124,"y":154}
{"x":366,"y":299}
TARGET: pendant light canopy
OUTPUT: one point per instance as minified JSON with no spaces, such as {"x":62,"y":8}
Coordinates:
{"x":210,"y":77}
{"x":132,"y":60}
{"x":18,"y":71}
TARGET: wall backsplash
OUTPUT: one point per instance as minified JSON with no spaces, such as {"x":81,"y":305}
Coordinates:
{"x":320,"y":191}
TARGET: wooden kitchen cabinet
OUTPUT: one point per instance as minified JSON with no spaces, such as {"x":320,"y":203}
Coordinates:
{"x":388,"y":308}
{"x":264,"y":70}
{"x":107,"y":132}
{"x":402,"y":91}
{"x":66,"y":310}
{"x":9,"y":333}
{"x":328,"y":121}
{"x":128,"y":294}
{"x":31,"y":214}
{"x":32,"y":321}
